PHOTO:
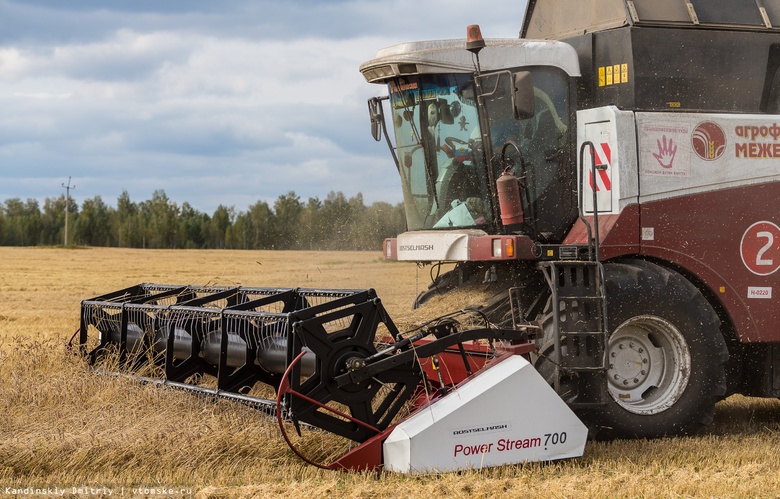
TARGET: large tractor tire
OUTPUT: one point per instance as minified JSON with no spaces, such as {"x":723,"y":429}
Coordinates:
{"x":665,"y":354}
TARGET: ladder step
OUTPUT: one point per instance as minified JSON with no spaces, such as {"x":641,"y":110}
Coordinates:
{"x":583,"y":369}
{"x":587,"y":405}
{"x":581,"y":298}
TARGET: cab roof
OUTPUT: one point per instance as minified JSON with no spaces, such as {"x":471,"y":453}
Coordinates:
{"x":451,"y":56}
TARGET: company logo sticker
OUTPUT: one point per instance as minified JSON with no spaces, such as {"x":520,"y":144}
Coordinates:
{"x":709,"y":141}
{"x":760,"y":248}
{"x":471,"y":430}
{"x":666,"y":153}
{"x":665,"y":148}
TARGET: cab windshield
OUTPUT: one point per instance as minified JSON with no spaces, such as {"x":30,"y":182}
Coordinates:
{"x":438,"y":140}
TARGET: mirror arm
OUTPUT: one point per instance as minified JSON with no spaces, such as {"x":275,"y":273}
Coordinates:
{"x":376,"y":111}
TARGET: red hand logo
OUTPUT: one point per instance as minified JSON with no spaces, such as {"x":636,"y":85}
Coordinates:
{"x":666,"y":153}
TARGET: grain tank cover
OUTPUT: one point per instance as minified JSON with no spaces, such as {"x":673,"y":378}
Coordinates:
{"x":559,"y":19}
{"x":719,"y":56}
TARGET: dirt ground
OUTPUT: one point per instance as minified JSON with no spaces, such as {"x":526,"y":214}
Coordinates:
{"x":68,"y":431}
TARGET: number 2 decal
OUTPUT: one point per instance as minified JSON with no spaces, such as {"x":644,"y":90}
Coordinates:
{"x":759,"y":249}
{"x":770,"y":240}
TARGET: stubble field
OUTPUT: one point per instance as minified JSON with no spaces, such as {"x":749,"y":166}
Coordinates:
{"x":64,"y":428}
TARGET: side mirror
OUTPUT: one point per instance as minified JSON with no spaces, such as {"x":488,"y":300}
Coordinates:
{"x":445,"y":115}
{"x":376,"y":115}
{"x":523,"y":95}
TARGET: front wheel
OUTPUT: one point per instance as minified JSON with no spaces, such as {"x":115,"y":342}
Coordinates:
{"x":649,"y":365}
{"x":665,"y":356}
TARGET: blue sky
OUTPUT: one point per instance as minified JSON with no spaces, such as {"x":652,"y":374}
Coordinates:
{"x":215,"y":102}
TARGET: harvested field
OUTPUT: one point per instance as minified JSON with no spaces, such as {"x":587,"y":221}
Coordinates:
{"x":66,"y":427}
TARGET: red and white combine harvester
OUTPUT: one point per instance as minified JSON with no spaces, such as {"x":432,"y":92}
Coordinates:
{"x":612,"y":176}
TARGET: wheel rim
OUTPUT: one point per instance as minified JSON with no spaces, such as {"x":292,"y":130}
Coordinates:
{"x":649,"y":365}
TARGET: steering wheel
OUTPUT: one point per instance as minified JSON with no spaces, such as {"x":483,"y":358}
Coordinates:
{"x":454,"y":140}
{"x":451,"y":147}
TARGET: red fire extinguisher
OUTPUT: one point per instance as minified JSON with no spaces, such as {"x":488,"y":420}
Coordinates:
{"x":510,"y":200}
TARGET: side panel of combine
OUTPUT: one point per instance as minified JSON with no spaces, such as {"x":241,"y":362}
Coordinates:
{"x":709,"y":191}
{"x":698,"y":193}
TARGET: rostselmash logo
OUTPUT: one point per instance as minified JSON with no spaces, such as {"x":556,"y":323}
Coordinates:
{"x":480,"y":429}
{"x":709,"y":141}
{"x":416,"y":247}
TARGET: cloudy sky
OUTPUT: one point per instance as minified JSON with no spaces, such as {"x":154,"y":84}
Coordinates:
{"x":215,"y":102}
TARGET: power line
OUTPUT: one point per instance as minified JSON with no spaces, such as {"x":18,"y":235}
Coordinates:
{"x":67,"y":206}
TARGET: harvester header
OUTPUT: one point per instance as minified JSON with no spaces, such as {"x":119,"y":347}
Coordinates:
{"x":335,"y":361}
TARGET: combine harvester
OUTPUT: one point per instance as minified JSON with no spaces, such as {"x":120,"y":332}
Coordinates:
{"x":612,"y":177}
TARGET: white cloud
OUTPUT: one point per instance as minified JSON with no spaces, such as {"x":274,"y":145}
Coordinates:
{"x":222,"y":104}
{"x":12,"y":63}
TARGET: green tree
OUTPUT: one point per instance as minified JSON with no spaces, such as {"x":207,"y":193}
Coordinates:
{"x":218,"y":226}
{"x":377,"y":222}
{"x":23,"y":222}
{"x":337,"y":216}
{"x":260,"y":226}
{"x":237,"y":236}
{"x":337,"y":222}
{"x":313,"y":226}
{"x":287,"y":214}
{"x":93,"y":226}
{"x":53,"y":220}
{"x":192,"y":228}
{"x":129,"y":231}
{"x":160,"y":215}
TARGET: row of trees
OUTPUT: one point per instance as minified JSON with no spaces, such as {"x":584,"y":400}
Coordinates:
{"x":335,"y":223}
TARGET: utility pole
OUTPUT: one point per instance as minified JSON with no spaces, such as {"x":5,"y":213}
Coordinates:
{"x":67,"y":206}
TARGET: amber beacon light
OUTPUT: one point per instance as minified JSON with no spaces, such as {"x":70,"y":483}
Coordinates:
{"x":474,"y":40}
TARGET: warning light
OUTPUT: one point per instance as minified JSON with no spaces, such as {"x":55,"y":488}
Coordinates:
{"x":474,"y":40}
{"x":510,"y":248}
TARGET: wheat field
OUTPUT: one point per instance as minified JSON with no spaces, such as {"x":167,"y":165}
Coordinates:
{"x":65,"y":429}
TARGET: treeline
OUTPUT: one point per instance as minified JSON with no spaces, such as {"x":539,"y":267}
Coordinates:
{"x":335,"y":223}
